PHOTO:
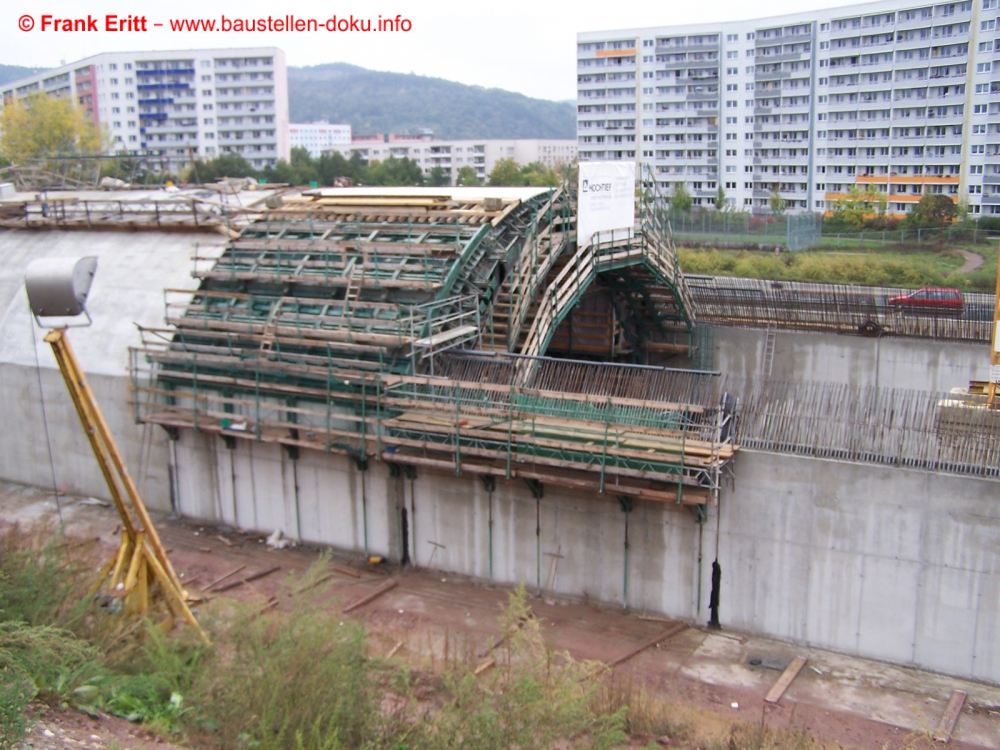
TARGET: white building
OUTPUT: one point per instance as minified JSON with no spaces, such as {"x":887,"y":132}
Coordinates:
{"x":481,"y":155}
{"x":902,"y":96}
{"x":318,"y":136}
{"x":179,"y":105}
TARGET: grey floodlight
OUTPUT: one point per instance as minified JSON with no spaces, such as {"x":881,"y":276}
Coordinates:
{"x":58,"y":287}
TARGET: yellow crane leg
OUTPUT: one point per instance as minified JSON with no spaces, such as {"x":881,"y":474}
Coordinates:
{"x":140,"y":544}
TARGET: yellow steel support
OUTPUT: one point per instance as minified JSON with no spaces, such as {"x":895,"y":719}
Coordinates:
{"x":140,"y":554}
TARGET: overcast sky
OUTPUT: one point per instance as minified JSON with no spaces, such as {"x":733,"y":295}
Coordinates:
{"x":519,"y":45}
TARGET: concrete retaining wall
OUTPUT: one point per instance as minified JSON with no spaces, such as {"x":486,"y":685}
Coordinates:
{"x":920,"y":364}
{"x":885,"y":563}
{"x":24,"y":449}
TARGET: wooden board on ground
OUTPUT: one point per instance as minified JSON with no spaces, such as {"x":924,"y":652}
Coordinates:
{"x":652,"y":642}
{"x":790,"y":673}
{"x":950,"y":718}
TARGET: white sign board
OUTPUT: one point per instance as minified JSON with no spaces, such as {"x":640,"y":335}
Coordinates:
{"x":606,"y":201}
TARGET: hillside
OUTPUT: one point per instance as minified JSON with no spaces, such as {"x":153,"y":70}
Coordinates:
{"x":378,"y":102}
{"x":13,"y":72}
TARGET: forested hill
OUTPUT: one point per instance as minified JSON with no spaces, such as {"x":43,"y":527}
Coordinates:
{"x":377,"y":102}
{"x":10,"y":73}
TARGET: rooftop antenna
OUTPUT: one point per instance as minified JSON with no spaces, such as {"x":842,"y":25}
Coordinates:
{"x":139,"y":575}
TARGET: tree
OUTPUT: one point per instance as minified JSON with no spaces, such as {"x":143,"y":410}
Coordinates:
{"x":858,"y":206}
{"x":223,"y":165}
{"x":720,"y":199}
{"x":394,"y":171}
{"x":680,"y":201}
{"x":467,"y":177}
{"x":505,"y":172}
{"x":438,"y":177}
{"x":42,"y":127}
{"x":333,"y":165}
{"x":934,"y":210}
{"x":777,"y":203}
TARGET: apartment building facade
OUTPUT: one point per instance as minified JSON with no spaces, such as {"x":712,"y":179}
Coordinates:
{"x":316,"y":137}
{"x":452,"y":155}
{"x":179,"y":106}
{"x":901,"y":96}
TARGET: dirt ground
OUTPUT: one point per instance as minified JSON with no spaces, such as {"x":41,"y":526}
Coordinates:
{"x":710,"y":678}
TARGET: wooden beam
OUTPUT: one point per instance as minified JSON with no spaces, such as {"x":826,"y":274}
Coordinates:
{"x":790,"y":673}
{"x":652,"y":642}
{"x":387,"y":586}
{"x":950,"y":718}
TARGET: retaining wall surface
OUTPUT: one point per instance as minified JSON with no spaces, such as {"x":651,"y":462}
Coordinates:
{"x":880,"y":562}
{"x":886,"y":361}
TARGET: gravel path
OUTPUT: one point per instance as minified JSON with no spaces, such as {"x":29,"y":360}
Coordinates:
{"x":972,"y":261}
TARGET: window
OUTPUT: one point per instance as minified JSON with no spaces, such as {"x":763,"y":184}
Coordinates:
{"x":750,"y":53}
{"x":116,"y":110}
{"x":733,"y":53}
{"x":750,"y":36}
{"x":732,"y":87}
{"x":206,"y":63}
{"x":976,"y":129}
{"x":730,"y":121}
{"x":824,"y":27}
{"x":732,"y":37}
{"x":984,"y":67}
{"x":975,"y":189}
{"x":732,"y":71}
{"x":117,"y":124}
{"x":112,"y":66}
{"x":206,"y":92}
{"x":976,"y":169}
{"x":982,"y":88}
{"x":206,"y":106}
{"x":979,"y":109}
{"x":824,"y":45}
{"x":127,"y":66}
{"x":749,"y":87}
{"x":977,"y":149}
{"x":988,"y":25}
{"x":113,"y":81}
{"x":730,"y":104}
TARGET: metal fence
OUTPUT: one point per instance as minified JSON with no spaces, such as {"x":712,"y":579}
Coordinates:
{"x":723,"y":228}
{"x":761,"y":303}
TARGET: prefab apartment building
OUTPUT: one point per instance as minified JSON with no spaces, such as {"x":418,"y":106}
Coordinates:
{"x":902,"y":96}
{"x":178,"y":106}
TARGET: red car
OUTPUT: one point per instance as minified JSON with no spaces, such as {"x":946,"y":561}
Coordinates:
{"x":930,"y":300}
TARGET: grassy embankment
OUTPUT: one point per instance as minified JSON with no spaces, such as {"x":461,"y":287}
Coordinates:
{"x":893,"y":265}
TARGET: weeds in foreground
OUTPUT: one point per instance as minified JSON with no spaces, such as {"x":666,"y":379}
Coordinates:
{"x":304,"y":679}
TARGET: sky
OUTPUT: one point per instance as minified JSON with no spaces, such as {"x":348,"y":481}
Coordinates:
{"x":518,"y":45}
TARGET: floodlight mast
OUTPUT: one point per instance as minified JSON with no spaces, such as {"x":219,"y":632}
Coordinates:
{"x":139,"y":572}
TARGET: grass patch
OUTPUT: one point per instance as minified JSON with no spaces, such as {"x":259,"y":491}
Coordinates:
{"x":900,"y":267}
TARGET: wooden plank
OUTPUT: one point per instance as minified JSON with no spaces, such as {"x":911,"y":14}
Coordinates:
{"x":648,"y":644}
{"x":790,"y":673}
{"x":950,"y":718}
{"x":387,"y":586}
{"x":220,"y":579}
{"x":249,"y":579}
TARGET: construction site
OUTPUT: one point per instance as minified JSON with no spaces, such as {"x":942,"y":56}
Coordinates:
{"x":448,"y":379}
